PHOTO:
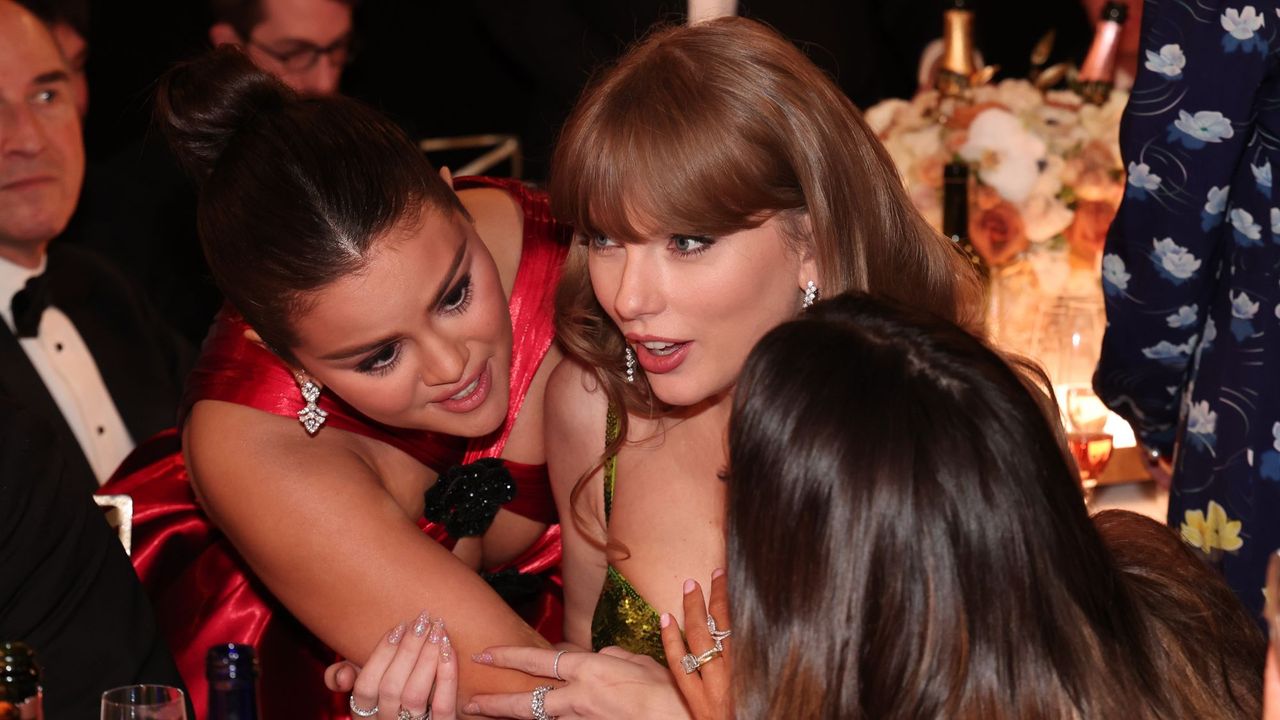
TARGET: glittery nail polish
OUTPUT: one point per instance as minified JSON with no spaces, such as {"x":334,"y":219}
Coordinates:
{"x":396,"y":634}
{"x":421,"y":624}
{"x":446,"y":650}
{"x":437,"y":630}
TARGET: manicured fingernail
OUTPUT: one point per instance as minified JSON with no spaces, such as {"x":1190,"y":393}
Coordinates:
{"x":689,"y":585}
{"x":717,"y":573}
{"x":420,"y":626}
{"x":665,"y":620}
{"x":484,"y":658}
{"x":437,"y":630}
{"x":446,"y":650}
{"x":396,"y":634}
{"x":471,"y":709}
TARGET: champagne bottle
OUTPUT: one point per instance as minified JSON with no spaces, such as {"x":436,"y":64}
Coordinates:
{"x":20,"y":693}
{"x":956,"y":69}
{"x":1098,"y":72}
{"x":232,"y":670}
{"x":955,"y":212}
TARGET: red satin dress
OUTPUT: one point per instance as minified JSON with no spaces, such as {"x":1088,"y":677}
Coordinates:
{"x":202,"y":591}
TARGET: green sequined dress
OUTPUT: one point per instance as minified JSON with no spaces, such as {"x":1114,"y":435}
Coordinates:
{"x":622,"y":616}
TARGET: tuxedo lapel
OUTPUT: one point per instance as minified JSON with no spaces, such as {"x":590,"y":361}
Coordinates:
{"x":23,"y":384}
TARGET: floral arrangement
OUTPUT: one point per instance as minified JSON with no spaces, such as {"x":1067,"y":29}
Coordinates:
{"x":1048,"y":181}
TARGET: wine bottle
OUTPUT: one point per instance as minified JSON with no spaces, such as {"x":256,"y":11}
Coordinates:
{"x":232,"y":671}
{"x":1098,"y":72}
{"x":956,"y":69}
{"x":20,"y":694}
{"x":955,"y":212}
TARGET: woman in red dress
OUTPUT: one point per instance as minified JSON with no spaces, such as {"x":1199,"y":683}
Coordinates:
{"x":387,"y":328}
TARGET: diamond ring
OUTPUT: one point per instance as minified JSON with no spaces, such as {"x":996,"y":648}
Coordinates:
{"x":691,"y":663}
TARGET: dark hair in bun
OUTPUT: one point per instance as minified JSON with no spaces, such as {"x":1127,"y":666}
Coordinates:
{"x":294,"y":189}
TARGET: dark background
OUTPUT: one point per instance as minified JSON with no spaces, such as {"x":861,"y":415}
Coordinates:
{"x":516,"y":66}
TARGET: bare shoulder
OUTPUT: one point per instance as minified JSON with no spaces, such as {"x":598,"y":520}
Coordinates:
{"x":576,"y":407}
{"x":499,"y":221}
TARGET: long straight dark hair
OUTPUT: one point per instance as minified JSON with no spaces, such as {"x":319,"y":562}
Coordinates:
{"x":907,"y":539}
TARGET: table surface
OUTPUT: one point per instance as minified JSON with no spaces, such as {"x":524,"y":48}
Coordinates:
{"x":1140,"y":497}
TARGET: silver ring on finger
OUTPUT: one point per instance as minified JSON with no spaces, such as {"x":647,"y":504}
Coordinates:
{"x":359,"y":711}
{"x":408,"y":715}
{"x":538,"y":704}
{"x":717,"y":636}
{"x":691,"y":663}
{"x":555,"y":666}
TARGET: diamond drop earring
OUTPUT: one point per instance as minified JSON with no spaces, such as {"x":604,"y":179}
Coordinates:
{"x":311,"y":416}
{"x":810,"y":294}
{"x":631,"y":365}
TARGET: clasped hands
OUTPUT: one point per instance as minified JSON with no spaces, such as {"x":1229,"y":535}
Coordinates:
{"x":612,"y":683}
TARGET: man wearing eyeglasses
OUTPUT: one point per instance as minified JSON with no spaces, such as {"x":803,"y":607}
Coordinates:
{"x":305,"y":43}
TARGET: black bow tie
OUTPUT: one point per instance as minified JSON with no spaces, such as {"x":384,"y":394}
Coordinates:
{"x":29,"y":305}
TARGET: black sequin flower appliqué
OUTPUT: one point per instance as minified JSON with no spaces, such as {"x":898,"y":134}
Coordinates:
{"x":467,"y":497}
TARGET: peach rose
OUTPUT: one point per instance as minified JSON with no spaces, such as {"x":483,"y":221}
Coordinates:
{"x":997,"y":232}
{"x":1088,"y":232}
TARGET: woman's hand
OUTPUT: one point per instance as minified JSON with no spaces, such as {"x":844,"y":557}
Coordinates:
{"x":612,"y":683}
{"x":411,"y":667}
{"x":706,"y":689}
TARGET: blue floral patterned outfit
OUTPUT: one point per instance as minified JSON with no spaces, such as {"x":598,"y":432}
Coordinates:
{"x":1191,"y":274}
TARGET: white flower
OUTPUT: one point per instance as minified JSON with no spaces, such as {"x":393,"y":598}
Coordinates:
{"x":1008,"y":156}
{"x":1275,"y":429}
{"x":1020,"y":96}
{"x":1140,"y":176}
{"x":1217,"y":199}
{"x":1175,"y":259}
{"x":1262,"y":173}
{"x":1165,"y":350}
{"x":1243,"y":222}
{"x":1044,"y":215}
{"x":1275,"y":221}
{"x":1242,"y":307}
{"x":1242,"y":24}
{"x":1114,"y":273}
{"x":1169,"y":62}
{"x":1185,"y":317}
{"x":1206,"y":126}
{"x":883,"y":114}
{"x":1210,"y":332}
{"x":1201,"y":420}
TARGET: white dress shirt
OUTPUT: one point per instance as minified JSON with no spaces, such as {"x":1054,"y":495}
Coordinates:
{"x":69,"y":372}
{"x":700,"y":10}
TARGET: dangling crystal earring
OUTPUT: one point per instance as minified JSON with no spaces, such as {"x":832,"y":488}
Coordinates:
{"x":810,"y":294}
{"x":631,"y":365}
{"x":311,"y":416}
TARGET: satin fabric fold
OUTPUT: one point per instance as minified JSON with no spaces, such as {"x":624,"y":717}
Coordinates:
{"x":203,"y":591}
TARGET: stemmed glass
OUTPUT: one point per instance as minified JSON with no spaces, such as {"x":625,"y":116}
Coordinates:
{"x":1090,"y":444}
{"x":144,"y":702}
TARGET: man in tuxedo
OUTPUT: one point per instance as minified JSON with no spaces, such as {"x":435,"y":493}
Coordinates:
{"x":78,"y":346}
{"x":67,"y":589}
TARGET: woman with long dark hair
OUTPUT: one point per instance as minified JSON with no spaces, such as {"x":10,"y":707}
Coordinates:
{"x":907,"y":538}
{"x":385,"y":325}
{"x":717,"y":182}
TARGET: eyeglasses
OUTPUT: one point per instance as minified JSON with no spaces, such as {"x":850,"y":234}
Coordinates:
{"x":305,"y":55}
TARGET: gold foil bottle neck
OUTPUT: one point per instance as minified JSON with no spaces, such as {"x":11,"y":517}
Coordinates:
{"x":956,"y":70}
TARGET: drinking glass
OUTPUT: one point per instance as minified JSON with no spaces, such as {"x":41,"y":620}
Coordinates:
{"x":144,"y":702}
{"x":1090,"y":444}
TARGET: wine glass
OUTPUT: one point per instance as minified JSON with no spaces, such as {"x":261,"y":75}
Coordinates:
{"x":1090,"y":444}
{"x":144,"y":702}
